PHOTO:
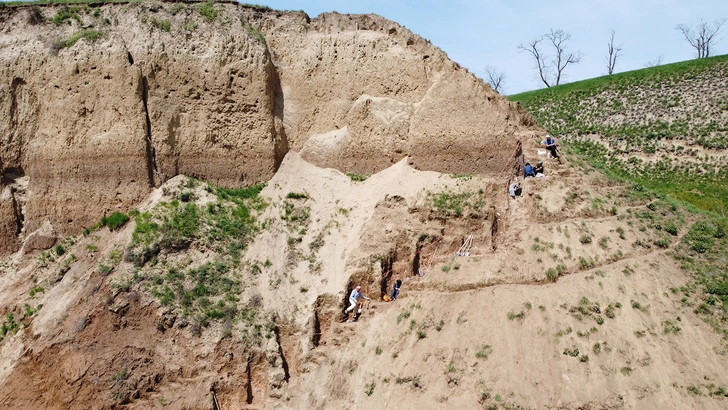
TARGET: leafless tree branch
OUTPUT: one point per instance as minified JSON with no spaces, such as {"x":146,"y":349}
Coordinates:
{"x":614,"y":52}
{"x":551,"y":71}
{"x":703,"y":37}
{"x":495,"y":78}
{"x":535,"y":52}
{"x":654,"y":63}
{"x":562,"y":58}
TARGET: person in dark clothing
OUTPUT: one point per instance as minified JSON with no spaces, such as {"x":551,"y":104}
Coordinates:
{"x":528,"y":170}
{"x":395,"y":290}
{"x":538,"y":169}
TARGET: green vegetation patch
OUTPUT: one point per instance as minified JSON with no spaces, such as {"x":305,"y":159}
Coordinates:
{"x":452,"y":204}
{"x":89,"y":34}
{"x":162,"y":24}
{"x":226,"y":225}
{"x":224,"y":222}
{"x":357,"y":177}
{"x":66,"y":13}
{"x":208,"y":11}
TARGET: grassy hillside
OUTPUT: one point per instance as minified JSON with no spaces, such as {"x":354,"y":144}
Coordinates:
{"x":664,"y":127}
{"x":664,"y":130}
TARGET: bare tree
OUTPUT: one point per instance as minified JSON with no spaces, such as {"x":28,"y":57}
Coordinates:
{"x":551,"y":71}
{"x":654,"y":63}
{"x":495,"y":78}
{"x":613,"y":54}
{"x":703,"y":37}
{"x":535,"y":52}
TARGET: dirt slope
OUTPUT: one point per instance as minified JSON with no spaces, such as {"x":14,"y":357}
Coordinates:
{"x":488,"y":330}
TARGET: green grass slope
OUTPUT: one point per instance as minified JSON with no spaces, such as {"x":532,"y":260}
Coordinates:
{"x":664,"y":130}
{"x":663,"y":127}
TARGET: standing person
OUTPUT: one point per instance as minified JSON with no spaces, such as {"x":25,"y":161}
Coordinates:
{"x":354,"y":299}
{"x":395,"y":290}
{"x":551,"y":146}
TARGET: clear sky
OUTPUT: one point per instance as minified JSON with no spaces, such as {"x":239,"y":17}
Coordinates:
{"x":478,"y":33}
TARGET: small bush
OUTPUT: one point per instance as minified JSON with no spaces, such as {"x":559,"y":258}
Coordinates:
{"x":297,"y":195}
{"x":603,"y":242}
{"x":571,"y":352}
{"x":163,"y":25}
{"x":484,"y":352}
{"x":357,"y":177}
{"x":585,"y":264}
{"x":186,"y":196}
{"x":670,"y":327}
{"x":585,"y":239}
{"x":208,"y":11}
{"x":66,"y":13}
{"x":451,"y":367}
{"x":597,"y":348}
{"x":370,"y":388}
{"x":36,"y":290}
{"x":662,"y":243}
{"x":519,"y":315}
{"x":115,"y":220}
{"x":191,"y":25}
{"x":105,"y":269}
{"x":60,"y":250}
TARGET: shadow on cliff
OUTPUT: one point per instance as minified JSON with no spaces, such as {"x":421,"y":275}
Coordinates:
{"x":280,"y":145}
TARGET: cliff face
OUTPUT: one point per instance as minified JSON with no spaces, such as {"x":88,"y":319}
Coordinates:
{"x":361,"y":92}
{"x":221,"y":95}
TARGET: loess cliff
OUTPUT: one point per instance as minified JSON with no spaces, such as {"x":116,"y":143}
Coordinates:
{"x":102,"y":104}
{"x":202,"y":289}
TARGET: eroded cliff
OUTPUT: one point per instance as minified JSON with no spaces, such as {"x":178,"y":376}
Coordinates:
{"x":147,"y":92}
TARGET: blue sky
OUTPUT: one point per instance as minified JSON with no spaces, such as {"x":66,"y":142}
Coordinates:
{"x":487,"y":32}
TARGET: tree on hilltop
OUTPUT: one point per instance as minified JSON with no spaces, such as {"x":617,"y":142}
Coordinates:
{"x":654,"y":63}
{"x":550,"y":70}
{"x":495,"y":78}
{"x":613,"y":54}
{"x":703,"y":36}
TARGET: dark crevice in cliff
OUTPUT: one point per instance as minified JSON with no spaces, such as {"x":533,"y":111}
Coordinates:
{"x":280,"y":139}
{"x":9,"y":177}
{"x":284,"y":361}
{"x":130,"y":58}
{"x":249,"y":384}
{"x":151,"y":154}
{"x":17,"y":82}
{"x":18,"y":213}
